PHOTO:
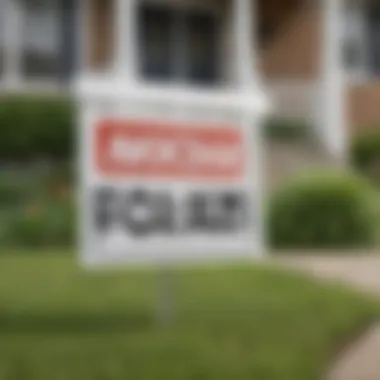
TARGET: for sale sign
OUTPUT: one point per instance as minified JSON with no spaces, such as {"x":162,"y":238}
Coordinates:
{"x":164,"y":191}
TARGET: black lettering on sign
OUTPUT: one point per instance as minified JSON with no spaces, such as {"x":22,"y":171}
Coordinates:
{"x":143,"y":212}
{"x":216,"y":212}
{"x":139,"y":211}
{"x":136,"y":212}
{"x":103,"y":207}
{"x":197,"y":212}
{"x":236,"y":210}
{"x":164,"y":206}
{"x":147,"y":212}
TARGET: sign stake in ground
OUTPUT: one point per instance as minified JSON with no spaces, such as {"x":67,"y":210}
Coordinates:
{"x":166,"y":292}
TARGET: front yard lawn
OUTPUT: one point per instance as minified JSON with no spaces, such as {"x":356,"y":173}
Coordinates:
{"x":58,"y":322}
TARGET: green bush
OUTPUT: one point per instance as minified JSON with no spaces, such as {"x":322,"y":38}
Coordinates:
{"x":365,"y":155}
{"x":327,"y":210}
{"x":11,"y":192}
{"x":42,"y":223}
{"x":285,"y":129}
{"x":34,"y":127}
{"x":37,"y":207}
{"x":58,"y":178}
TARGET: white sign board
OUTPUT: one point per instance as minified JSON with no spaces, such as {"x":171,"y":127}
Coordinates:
{"x":157,"y":191}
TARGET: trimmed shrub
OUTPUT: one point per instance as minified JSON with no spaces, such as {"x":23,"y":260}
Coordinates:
{"x":36,"y":127}
{"x":286,"y":129}
{"x":324,"y":210}
{"x":365,"y":155}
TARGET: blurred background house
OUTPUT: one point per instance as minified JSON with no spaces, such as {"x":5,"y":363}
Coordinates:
{"x":310,"y":55}
{"x":37,"y":48}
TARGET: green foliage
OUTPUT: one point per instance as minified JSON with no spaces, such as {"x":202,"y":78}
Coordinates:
{"x":48,"y":222}
{"x":59,"y":322}
{"x":365,"y":155}
{"x":57,"y":178}
{"x":11,"y":192}
{"x":286,"y":129}
{"x":327,"y":210}
{"x":37,"y":208}
{"x":35,"y":127}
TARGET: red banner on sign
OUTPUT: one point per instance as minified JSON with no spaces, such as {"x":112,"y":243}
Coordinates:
{"x":125,"y":148}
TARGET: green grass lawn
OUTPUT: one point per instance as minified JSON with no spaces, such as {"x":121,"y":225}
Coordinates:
{"x":58,"y":322}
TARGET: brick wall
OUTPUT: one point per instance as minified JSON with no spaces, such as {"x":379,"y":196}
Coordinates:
{"x":364,"y":107}
{"x":293,"y":53}
{"x":100,"y":26}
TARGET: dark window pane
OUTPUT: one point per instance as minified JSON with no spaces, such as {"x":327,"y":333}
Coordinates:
{"x":374,"y":37}
{"x":41,"y":38}
{"x":68,"y":46}
{"x":2,"y":25}
{"x":156,"y":42}
{"x":202,"y":32}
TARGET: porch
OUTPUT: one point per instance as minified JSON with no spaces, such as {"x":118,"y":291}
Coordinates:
{"x":296,"y":50}
{"x":292,"y":46}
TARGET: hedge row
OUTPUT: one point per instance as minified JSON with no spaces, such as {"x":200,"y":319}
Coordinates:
{"x":36,"y":127}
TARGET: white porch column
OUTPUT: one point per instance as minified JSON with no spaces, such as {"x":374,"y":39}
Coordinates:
{"x":13,"y":28}
{"x":245,"y":46}
{"x":125,"y":47}
{"x":332,"y":113}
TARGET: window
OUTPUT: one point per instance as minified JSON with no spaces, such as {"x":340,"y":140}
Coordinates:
{"x":374,"y":37}
{"x":362,"y":39}
{"x":41,"y":38}
{"x":36,"y":42}
{"x":157,"y":43}
{"x":354,"y":46}
{"x":2,"y":31}
{"x":202,"y":47}
{"x":178,"y":44}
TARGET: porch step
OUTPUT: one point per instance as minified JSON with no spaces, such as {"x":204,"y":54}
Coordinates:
{"x":285,"y":159}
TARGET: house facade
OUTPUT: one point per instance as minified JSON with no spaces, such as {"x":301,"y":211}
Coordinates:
{"x":292,"y":59}
{"x":316,"y":59}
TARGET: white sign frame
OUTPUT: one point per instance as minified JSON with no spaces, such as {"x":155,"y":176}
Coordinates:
{"x":185,"y":251}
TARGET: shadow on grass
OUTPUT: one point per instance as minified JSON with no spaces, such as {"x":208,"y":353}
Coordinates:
{"x":75,"y":323}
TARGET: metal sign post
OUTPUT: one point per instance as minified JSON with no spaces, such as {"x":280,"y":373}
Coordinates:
{"x":166,"y":312}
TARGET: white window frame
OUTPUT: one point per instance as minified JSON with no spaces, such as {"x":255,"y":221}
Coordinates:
{"x":126,"y":34}
{"x":208,"y":7}
{"x":240,"y":66}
